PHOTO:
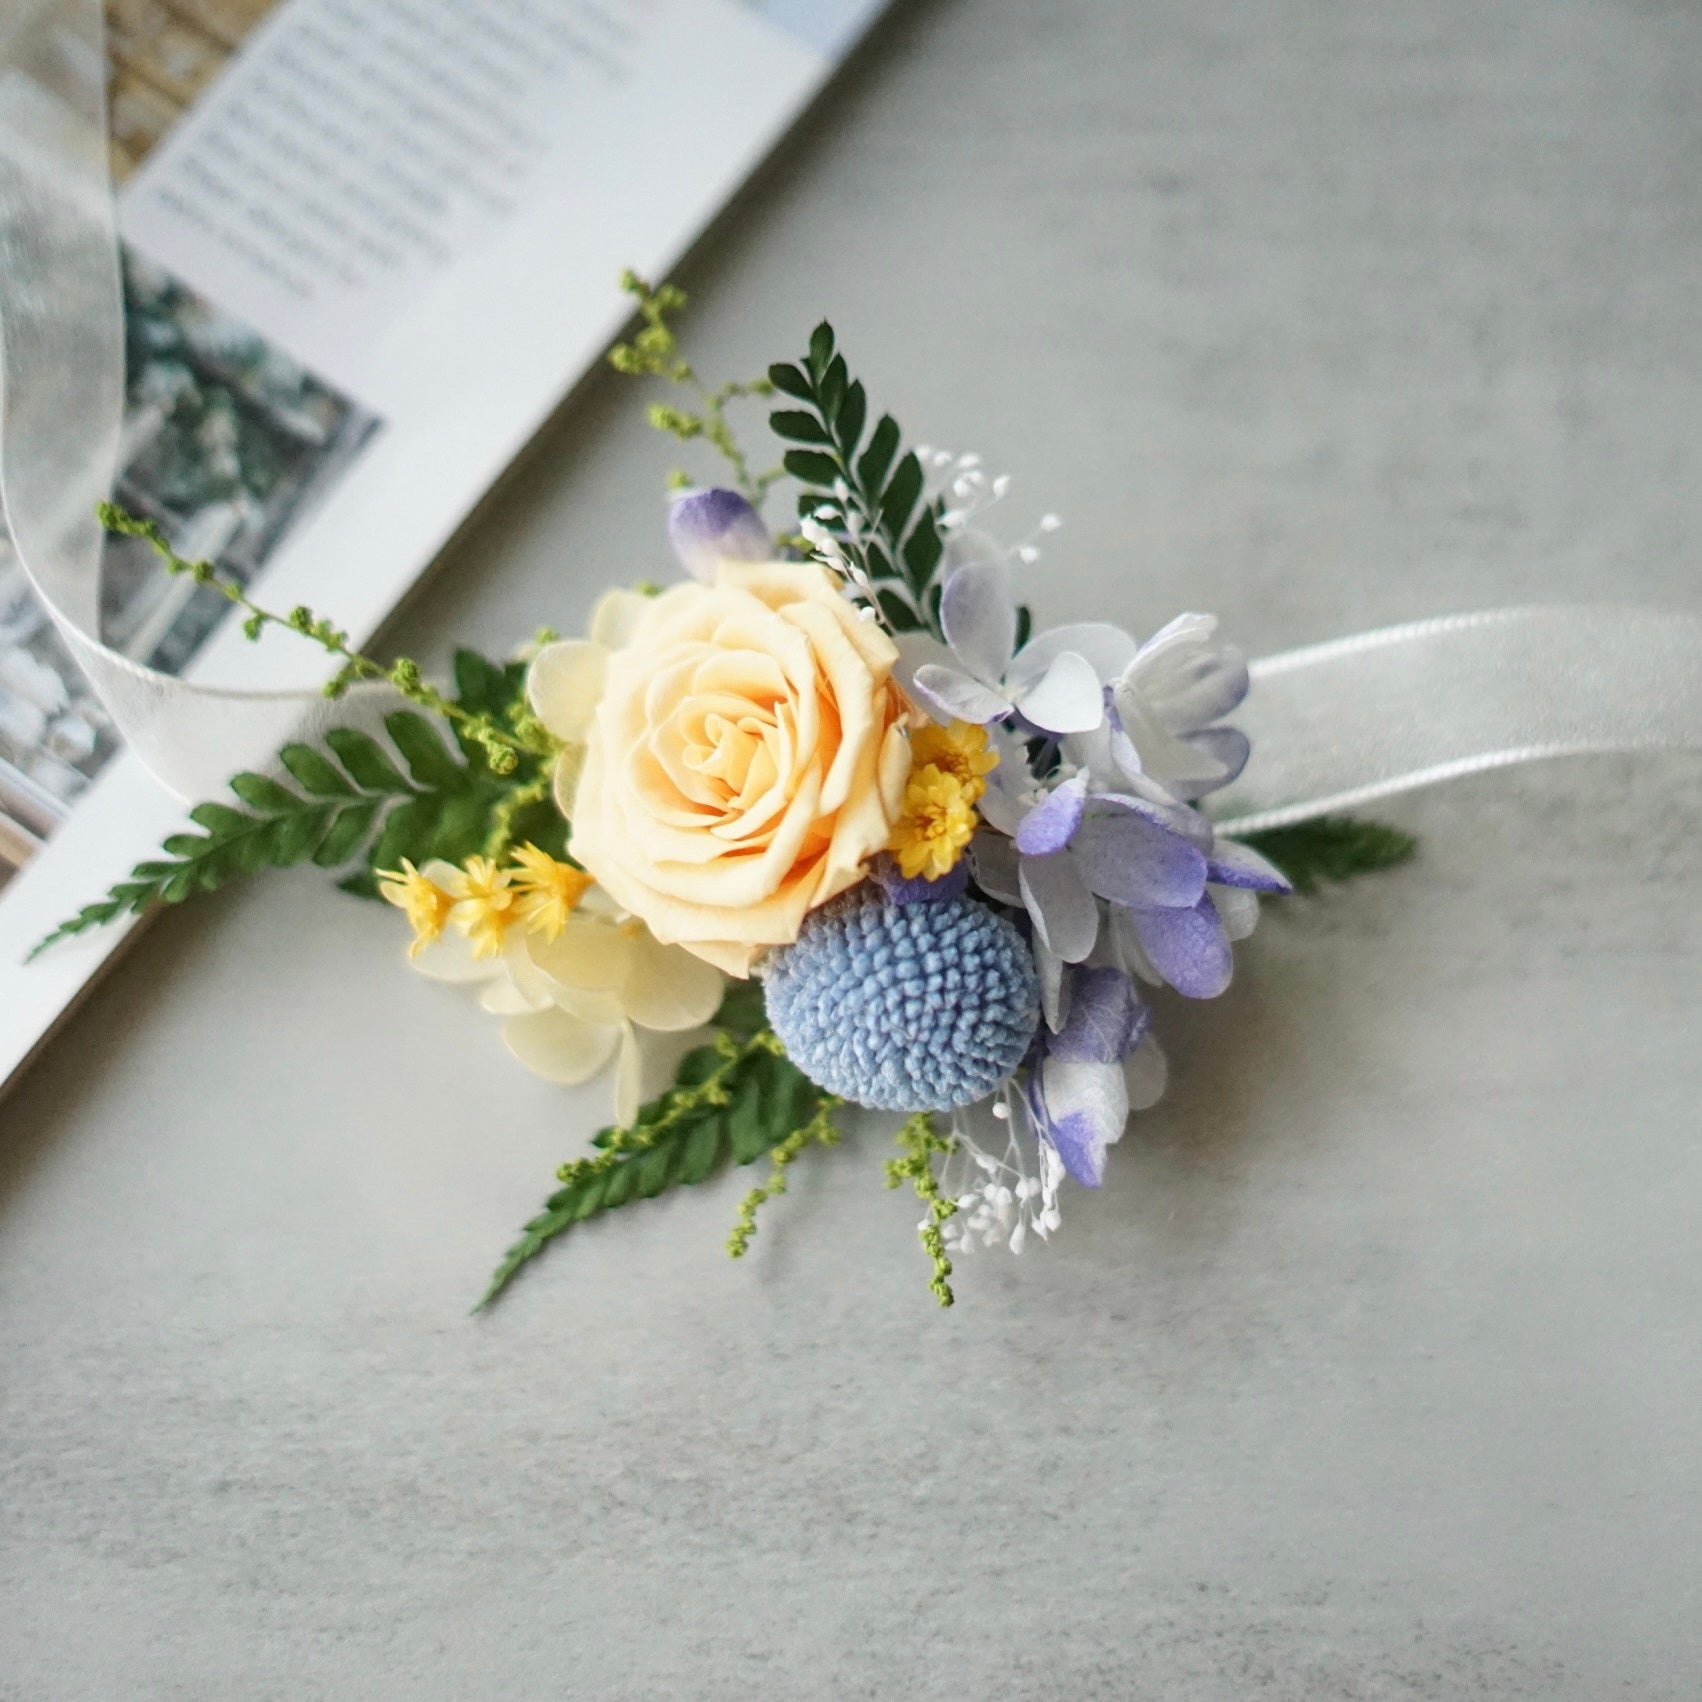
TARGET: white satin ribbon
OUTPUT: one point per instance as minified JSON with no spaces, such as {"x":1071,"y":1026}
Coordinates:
{"x":1332,"y":726}
{"x":1340,"y":724}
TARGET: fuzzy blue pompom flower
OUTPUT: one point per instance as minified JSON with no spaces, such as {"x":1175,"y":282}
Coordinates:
{"x":905,"y":1007}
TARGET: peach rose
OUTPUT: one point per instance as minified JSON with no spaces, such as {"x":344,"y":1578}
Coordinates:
{"x":746,"y":758}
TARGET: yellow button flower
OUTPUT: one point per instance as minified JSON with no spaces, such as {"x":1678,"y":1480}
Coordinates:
{"x":960,"y":749}
{"x":937,"y":824}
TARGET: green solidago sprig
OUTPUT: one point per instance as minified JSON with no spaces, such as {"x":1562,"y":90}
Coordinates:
{"x":654,"y":352}
{"x":821,"y":1130}
{"x":504,"y":744}
{"x":922,"y":1144}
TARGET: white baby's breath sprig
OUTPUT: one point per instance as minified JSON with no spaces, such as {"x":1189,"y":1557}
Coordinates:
{"x":1001,"y":1199}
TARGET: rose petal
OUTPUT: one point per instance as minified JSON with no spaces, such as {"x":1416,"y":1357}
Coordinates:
{"x":1126,"y":858}
{"x":955,"y":696}
{"x":1187,"y":948}
{"x":565,"y":684}
{"x":978,"y":618}
{"x":708,"y":527}
{"x":1048,"y":826}
{"x":618,"y":616}
{"x":1064,"y":911}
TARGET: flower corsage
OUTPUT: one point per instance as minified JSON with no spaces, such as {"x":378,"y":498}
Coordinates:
{"x":828,"y":821}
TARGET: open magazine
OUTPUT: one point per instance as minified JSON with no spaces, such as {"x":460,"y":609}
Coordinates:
{"x":367,"y":247}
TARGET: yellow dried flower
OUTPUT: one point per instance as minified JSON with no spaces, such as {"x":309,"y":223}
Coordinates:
{"x":937,"y":823}
{"x":484,"y":904}
{"x":959,"y":749}
{"x":421,"y":900}
{"x":546,"y":890}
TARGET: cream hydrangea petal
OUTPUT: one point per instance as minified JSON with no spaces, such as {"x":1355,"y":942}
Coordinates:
{"x":591,"y":953}
{"x":559,"y":1047}
{"x":669,"y":989}
{"x":450,"y":958}
{"x":602,"y":1010}
{"x":565,"y":684}
{"x":629,"y":1079}
{"x":502,"y":997}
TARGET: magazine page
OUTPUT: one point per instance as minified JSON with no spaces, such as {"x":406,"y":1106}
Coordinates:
{"x":367,"y":246}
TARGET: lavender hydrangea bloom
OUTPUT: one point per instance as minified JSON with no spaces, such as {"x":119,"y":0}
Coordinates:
{"x":708,"y":527}
{"x":1056,"y":682}
{"x":1167,"y":705}
{"x":1069,"y":848}
{"x":1077,"y":1094}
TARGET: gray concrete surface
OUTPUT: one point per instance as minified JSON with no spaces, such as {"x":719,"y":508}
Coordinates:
{"x":1374,"y":1370}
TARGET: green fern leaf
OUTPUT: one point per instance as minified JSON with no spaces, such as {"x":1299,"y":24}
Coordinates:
{"x":740,"y":1099}
{"x":1331,"y":848}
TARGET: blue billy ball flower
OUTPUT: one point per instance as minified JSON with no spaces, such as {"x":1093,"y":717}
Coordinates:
{"x":905,"y":1007}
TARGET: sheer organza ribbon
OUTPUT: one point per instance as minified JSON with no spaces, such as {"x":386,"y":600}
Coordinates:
{"x":1333,"y":725}
{"x":62,"y":399}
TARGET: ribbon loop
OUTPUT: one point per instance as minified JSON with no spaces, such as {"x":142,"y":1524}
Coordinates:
{"x":1340,"y":724}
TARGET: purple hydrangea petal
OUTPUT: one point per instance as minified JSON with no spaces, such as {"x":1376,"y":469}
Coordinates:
{"x":1067,"y":698}
{"x":1086,"y":1106}
{"x":1130,"y":860}
{"x":1156,"y":805}
{"x":1002,"y":809}
{"x":1228,"y":746}
{"x":1054,"y":984}
{"x":1048,"y":826}
{"x":708,"y":527}
{"x":1163,"y":756}
{"x":1188,"y":680}
{"x":1105,"y":1018}
{"x":992,"y":860}
{"x":956,"y":696}
{"x":1240,"y":865}
{"x":1064,"y":911}
{"x":887,"y":875}
{"x":1106,"y":648}
{"x":978,"y":617}
{"x":1187,"y":948}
